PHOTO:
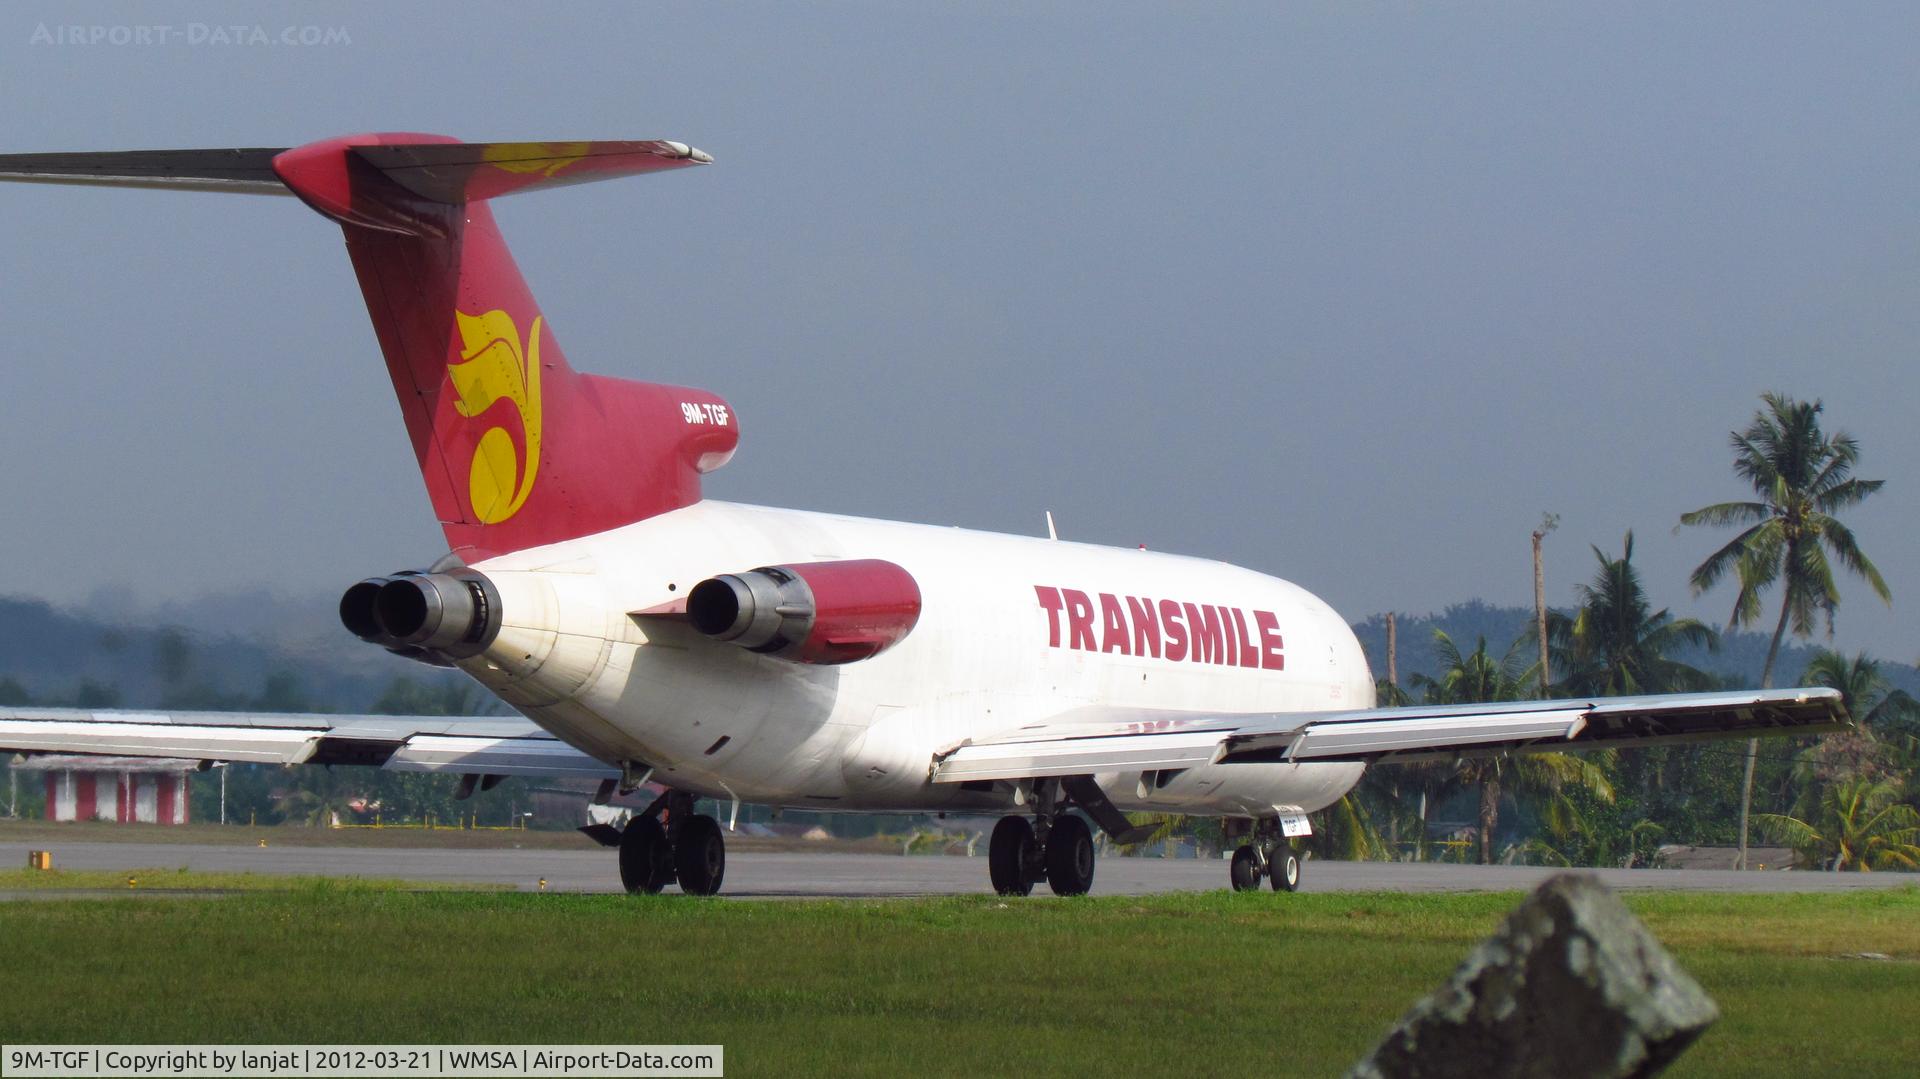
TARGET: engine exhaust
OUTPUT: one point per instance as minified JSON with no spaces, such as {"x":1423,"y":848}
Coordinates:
{"x":356,"y":610}
{"x":811,"y":612}
{"x":760,"y":610}
{"x":432,"y":616}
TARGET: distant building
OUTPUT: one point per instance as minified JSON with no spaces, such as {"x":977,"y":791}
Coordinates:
{"x":125,"y":789}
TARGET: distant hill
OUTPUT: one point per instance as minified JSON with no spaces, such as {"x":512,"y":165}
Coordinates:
{"x":55,"y":656}
{"x":1739,"y":659}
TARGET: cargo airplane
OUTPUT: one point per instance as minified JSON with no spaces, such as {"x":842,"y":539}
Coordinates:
{"x":651,"y":637}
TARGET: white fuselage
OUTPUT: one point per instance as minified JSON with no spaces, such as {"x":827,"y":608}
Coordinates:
{"x":986,"y":656}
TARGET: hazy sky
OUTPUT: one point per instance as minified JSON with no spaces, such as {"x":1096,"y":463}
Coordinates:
{"x":1348,"y":294}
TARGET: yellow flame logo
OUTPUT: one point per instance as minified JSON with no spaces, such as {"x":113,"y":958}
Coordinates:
{"x":541,"y":157}
{"x":493,"y":367}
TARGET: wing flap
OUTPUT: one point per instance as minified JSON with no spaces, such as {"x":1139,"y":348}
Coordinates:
{"x":497,"y":757}
{"x":474,"y":745}
{"x":132,"y":739}
{"x":1437,"y":733}
{"x":1076,"y":755}
{"x":1368,"y":738}
{"x":1096,"y":740}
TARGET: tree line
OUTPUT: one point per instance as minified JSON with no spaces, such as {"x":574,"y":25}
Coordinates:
{"x":1848,"y":801}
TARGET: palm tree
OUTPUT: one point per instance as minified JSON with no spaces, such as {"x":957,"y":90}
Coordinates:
{"x":1886,"y":745}
{"x":1391,"y":801}
{"x":1347,"y":833}
{"x":1616,"y":644}
{"x":1477,"y":678}
{"x":1802,"y":477}
{"x":1865,"y":691}
{"x":1858,"y":824}
{"x":1636,"y":843}
{"x":1385,"y":694}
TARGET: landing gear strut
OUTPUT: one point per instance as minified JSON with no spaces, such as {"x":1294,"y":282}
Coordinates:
{"x":1055,"y":847}
{"x":1269,"y":855}
{"x":688,"y":848}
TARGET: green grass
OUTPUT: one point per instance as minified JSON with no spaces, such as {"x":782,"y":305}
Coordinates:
{"x":1217,"y":983}
{"x":186,"y":880}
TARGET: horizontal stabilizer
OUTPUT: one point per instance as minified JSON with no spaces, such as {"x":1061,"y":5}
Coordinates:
{"x":451,"y":173}
{"x":246,"y":171}
{"x":457,"y":172}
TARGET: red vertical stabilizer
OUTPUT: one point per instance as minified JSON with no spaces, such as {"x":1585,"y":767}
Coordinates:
{"x":517,"y":449}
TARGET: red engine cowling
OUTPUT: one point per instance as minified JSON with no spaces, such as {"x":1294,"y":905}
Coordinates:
{"x":814,"y":612}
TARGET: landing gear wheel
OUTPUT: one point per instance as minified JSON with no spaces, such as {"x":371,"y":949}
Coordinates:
{"x":700,"y":856}
{"x":1284,"y":866}
{"x":1069,"y":856}
{"x":1245,"y":869}
{"x":646,"y":861}
{"x":1007,"y":856}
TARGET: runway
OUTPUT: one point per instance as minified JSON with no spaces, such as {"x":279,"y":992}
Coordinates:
{"x":859,"y":876}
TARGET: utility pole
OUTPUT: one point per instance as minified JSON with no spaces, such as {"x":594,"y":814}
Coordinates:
{"x":1393,"y":640}
{"x":1548,"y":522}
{"x":1420,"y":849}
{"x":1746,"y":800}
{"x":1393,"y":682}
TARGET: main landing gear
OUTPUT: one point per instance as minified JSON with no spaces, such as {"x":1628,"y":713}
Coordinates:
{"x":1056,"y":848}
{"x":1268,"y":855}
{"x":687,"y":848}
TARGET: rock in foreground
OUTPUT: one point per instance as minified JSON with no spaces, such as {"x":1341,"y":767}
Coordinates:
{"x":1572,"y":985}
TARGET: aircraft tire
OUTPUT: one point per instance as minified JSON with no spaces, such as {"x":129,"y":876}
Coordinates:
{"x":700,"y":856}
{"x":646,"y":861}
{"x":1283,"y":867}
{"x":1245,"y":870}
{"x":1007,"y":855}
{"x":1070,"y":856}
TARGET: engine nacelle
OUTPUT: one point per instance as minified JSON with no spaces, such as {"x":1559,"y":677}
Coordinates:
{"x":432,"y":616}
{"x":814,"y":612}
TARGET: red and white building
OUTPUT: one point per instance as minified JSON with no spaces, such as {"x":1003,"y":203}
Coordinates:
{"x":125,"y":789}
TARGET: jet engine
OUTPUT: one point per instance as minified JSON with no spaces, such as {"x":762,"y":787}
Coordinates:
{"x":813,"y":612}
{"x":430,"y":616}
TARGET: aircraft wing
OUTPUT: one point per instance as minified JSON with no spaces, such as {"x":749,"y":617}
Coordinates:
{"x":1107,"y":740}
{"x":472,"y":745}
